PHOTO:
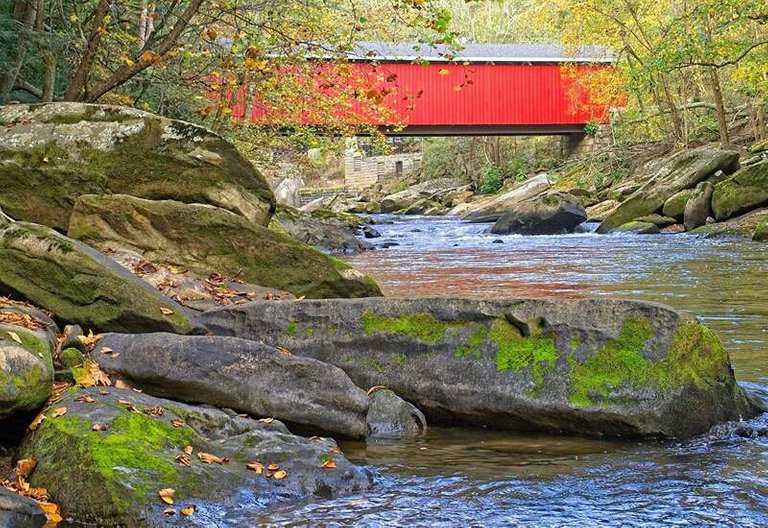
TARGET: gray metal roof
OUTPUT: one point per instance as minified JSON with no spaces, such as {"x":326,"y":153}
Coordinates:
{"x":497,"y":53}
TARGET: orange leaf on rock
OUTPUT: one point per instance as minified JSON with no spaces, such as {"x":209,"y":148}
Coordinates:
{"x":184,"y":460}
{"x":37,"y":421}
{"x":207,"y":458}
{"x":169,"y":511}
{"x":188,"y":449}
{"x":59,"y":411}
{"x":177,"y":423}
{"x":279,"y":475}
{"x":166,"y":311}
{"x":256,"y":467}
{"x":267,"y":420}
{"x":25,"y":466}
{"x":85,"y":398}
{"x":166,"y":494}
{"x":189,"y":510}
{"x":273,"y":467}
{"x":99,"y":427}
{"x":90,"y":340}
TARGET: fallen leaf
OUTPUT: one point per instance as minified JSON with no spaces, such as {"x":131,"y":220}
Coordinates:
{"x":177,"y":423}
{"x":104,"y":392}
{"x":256,"y":467}
{"x":120,"y":384}
{"x":154,"y":411}
{"x":37,"y":421}
{"x":207,"y":458}
{"x":335,"y":450}
{"x":273,"y":467}
{"x":24,"y":467}
{"x":59,"y":411}
{"x":284,"y":350}
{"x":166,"y":311}
{"x":90,"y":340}
{"x":188,"y":449}
{"x":15,"y":337}
{"x":298,"y":299}
{"x":166,"y":494}
{"x":375,"y":388}
{"x":175,"y":270}
{"x":128,"y":406}
{"x":51,"y":511}
{"x":267,"y":420}
{"x":189,"y":510}
{"x":280,"y":474}
{"x":85,"y":398}
{"x":107,"y":350}
{"x":327,"y":462}
{"x":169,"y":511}
{"x":184,"y":460}
{"x":99,"y":427}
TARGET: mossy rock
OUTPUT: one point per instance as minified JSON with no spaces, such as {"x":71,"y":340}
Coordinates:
{"x":747,"y":189}
{"x":658,"y":220}
{"x":323,"y":229}
{"x":208,"y":239}
{"x":761,"y":232}
{"x":638,"y":228}
{"x":595,"y":367}
{"x":760,"y":146}
{"x":50,"y":154}
{"x":81,"y":286}
{"x":680,"y":171}
{"x":112,"y":477}
{"x":26,"y":367}
{"x":675,"y":205}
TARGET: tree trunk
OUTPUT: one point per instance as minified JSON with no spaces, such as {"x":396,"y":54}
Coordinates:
{"x":77,"y":87}
{"x":25,"y":14}
{"x":677,"y":123}
{"x":722,"y":120}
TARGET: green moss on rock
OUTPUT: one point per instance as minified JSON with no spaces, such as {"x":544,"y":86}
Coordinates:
{"x":516,"y":352}
{"x":422,"y":326}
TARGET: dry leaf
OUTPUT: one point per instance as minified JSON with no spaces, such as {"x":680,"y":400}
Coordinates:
{"x":167,"y":495}
{"x":59,"y":411}
{"x":99,"y":427}
{"x":335,"y":450}
{"x":24,"y":467}
{"x":284,"y":350}
{"x":90,"y":340}
{"x":188,"y":449}
{"x":15,"y":337}
{"x":154,"y":411}
{"x":267,"y":420}
{"x":189,"y":510}
{"x":207,"y":458}
{"x":85,"y":398}
{"x":104,"y":392}
{"x":375,"y":388}
{"x":169,"y":511}
{"x":166,"y":311}
{"x":184,"y":460}
{"x":107,"y":350}
{"x":256,"y":467}
{"x":51,"y":511}
{"x":120,"y":384}
{"x":37,"y":421}
{"x":177,"y":423}
{"x":329,"y":463}
{"x":300,"y":298}
{"x":273,"y":467}
{"x":280,"y":474}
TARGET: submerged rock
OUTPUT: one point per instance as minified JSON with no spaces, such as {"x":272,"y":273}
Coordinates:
{"x":747,"y":189}
{"x":111,"y":475}
{"x":592,"y":367}
{"x":491,"y":209}
{"x":209,"y":239}
{"x":551,"y":214}
{"x":680,"y":171}
{"x":389,"y":416}
{"x":80,"y":285}
{"x":19,"y":512}
{"x":52,"y":153}
{"x":27,"y":343}
{"x":244,"y":375}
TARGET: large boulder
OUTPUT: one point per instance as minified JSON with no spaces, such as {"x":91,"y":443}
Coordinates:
{"x":637,"y":227}
{"x":108,"y":453}
{"x":287,"y":191}
{"x":407,"y":197}
{"x":209,"y":239}
{"x":551,"y":214}
{"x":491,"y":210}
{"x":244,"y":375}
{"x":80,"y":285}
{"x":761,"y":232}
{"x":698,"y":207}
{"x":599,"y":211}
{"x":593,"y":366}
{"x":19,"y":512}
{"x":743,"y":226}
{"x":50,"y":154}
{"x":389,"y":416}
{"x":680,"y":171}
{"x":323,"y":229}
{"x":27,"y":344}
{"x":747,"y":189}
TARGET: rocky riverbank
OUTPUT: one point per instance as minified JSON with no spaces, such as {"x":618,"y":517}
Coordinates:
{"x":161,"y":359}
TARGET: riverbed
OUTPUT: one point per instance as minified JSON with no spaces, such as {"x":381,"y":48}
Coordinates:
{"x":457,"y":477}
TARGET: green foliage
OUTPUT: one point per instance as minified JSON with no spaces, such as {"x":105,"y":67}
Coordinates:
{"x":491,"y":180}
{"x":422,"y":326}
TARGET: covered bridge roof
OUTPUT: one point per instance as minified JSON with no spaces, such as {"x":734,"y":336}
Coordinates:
{"x":479,"y":53}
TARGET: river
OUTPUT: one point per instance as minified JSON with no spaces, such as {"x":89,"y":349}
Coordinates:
{"x":479,"y":478}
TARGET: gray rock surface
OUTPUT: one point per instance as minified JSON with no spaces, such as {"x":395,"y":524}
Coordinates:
{"x":491,"y":209}
{"x":389,"y":416}
{"x":244,"y":375}
{"x":591,"y":367}
{"x":19,"y":512}
{"x":551,"y":214}
{"x":112,"y":477}
{"x":698,"y":208}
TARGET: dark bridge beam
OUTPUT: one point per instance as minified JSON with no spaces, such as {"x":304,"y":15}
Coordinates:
{"x":485,"y":130}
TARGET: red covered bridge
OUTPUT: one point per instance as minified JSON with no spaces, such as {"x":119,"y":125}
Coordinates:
{"x":485,"y":89}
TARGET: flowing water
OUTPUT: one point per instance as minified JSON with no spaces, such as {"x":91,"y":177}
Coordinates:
{"x":470,"y":478}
